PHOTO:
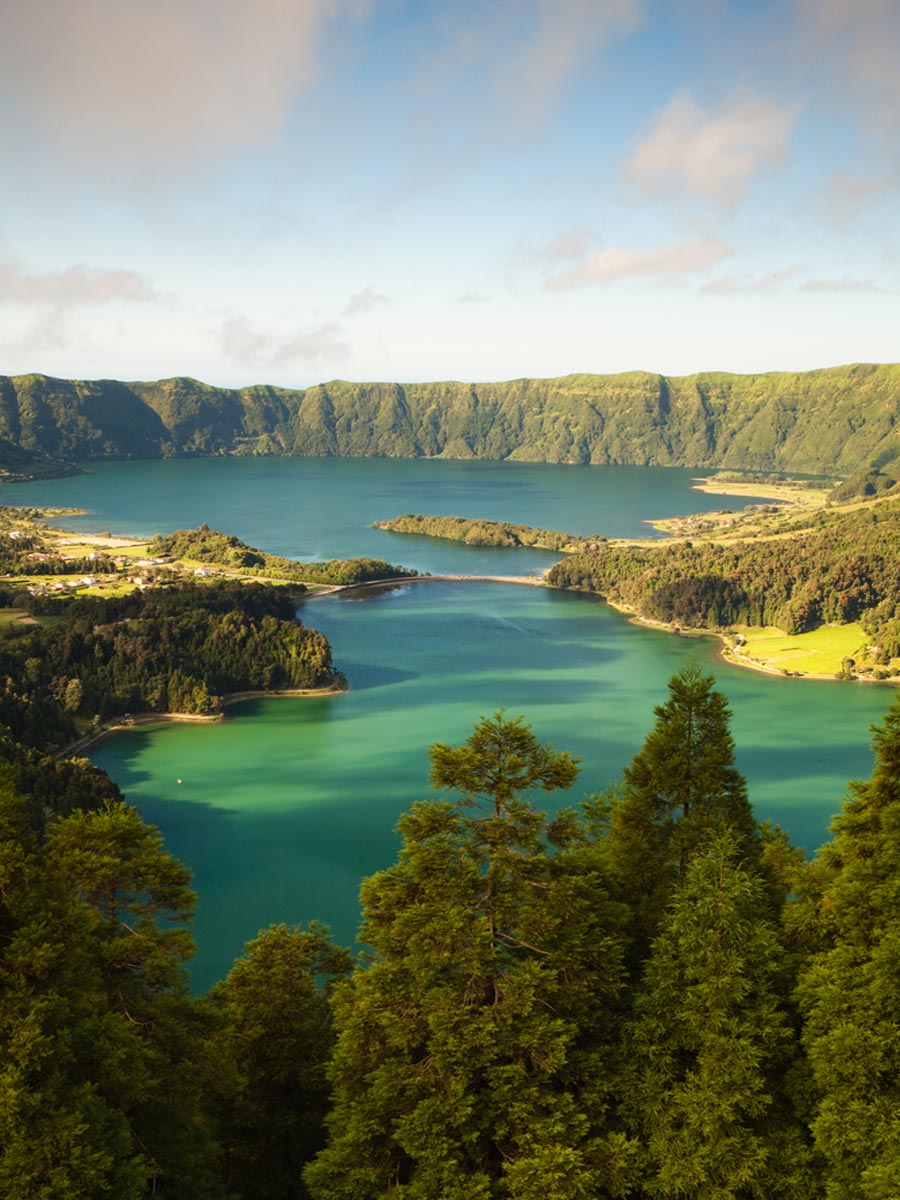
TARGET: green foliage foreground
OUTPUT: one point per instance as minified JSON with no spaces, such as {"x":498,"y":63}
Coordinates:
{"x":650,"y":996}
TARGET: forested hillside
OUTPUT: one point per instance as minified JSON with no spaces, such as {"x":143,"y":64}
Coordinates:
{"x":180,"y":648}
{"x":207,"y":545}
{"x":838,"y":567}
{"x":649,"y":996}
{"x":833,"y":421}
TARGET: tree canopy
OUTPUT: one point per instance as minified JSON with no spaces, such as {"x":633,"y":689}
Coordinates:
{"x":647,"y":996}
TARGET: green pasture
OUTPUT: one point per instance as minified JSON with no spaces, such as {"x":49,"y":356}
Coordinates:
{"x":820,"y":652}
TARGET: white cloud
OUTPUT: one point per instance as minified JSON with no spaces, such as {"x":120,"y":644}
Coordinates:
{"x":242,"y":343}
{"x":159,"y":84}
{"x":363,"y":302}
{"x":711,"y":155}
{"x":667,"y":262}
{"x":472,"y":298}
{"x":76,"y":285}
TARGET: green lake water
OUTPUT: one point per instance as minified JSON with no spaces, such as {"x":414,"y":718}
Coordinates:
{"x":283,"y":808}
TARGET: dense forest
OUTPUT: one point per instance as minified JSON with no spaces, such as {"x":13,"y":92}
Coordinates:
{"x":834,"y":421}
{"x":649,"y":996}
{"x":175,"y":649}
{"x":207,"y":545}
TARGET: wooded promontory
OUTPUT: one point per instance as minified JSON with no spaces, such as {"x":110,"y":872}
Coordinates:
{"x":832,"y":421}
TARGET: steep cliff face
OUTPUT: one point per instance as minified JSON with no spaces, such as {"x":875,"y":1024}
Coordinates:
{"x":836,"y":420}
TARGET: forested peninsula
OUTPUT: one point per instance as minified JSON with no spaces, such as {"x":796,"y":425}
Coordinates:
{"x":477,"y":532}
{"x":178,"y":648}
{"x":832,"y":421}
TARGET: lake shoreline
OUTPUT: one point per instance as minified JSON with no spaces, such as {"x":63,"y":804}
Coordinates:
{"x":726,"y":652}
{"x":792,"y":497}
{"x":147,"y":720}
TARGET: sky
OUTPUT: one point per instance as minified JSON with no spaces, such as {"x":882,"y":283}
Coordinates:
{"x":292,"y":191}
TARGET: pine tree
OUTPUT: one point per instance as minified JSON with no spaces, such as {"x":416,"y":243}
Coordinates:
{"x":711,"y":1044}
{"x":680,"y":787}
{"x":461,"y":1070}
{"x":98,"y":1036}
{"x":850,"y":994}
{"x":267,"y":1059}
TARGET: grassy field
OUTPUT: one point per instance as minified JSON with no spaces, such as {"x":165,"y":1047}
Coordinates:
{"x":818,"y":653}
{"x":10,"y":616}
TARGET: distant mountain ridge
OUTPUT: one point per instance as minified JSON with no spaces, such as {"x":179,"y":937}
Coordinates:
{"x":831,"y":421}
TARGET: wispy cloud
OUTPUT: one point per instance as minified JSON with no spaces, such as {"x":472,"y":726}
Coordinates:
{"x":501,"y":69}
{"x":713,"y":155}
{"x":666,"y":262}
{"x":568,"y":246}
{"x":472,"y":298}
{"x":847,"y":193}
{"x":730,"y":285}
{"x":844,"y":284}
{"x":72,"y":286}
{"x":786,"y":279}
{"x":564,"y":34}
{"x":862,"y":40}
{"x":243,"y":343}
{"x":364,"y":302}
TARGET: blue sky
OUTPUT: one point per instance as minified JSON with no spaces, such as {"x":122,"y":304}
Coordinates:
{"x":289,"y":191}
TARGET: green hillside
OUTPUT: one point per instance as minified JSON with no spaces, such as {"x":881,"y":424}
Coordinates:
{"x":834,"y":421}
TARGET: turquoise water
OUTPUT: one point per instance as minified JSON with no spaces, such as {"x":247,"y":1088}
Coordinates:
{"x":282,"y":809}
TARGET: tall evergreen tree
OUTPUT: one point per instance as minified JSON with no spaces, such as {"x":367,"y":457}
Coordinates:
{"x":680,"y":787}
{"x":850,"y":993}
{"x":267,"y":1060}
{"x":98,"y":1036}
{"x":711,"y":1046}
{"x":461,"y":1071}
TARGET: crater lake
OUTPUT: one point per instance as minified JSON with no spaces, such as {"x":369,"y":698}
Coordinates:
{"x":284,"y":807}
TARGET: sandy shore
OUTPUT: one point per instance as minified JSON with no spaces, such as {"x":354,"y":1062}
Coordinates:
{"x":787,"y":492}
{"x":149,"y":719}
